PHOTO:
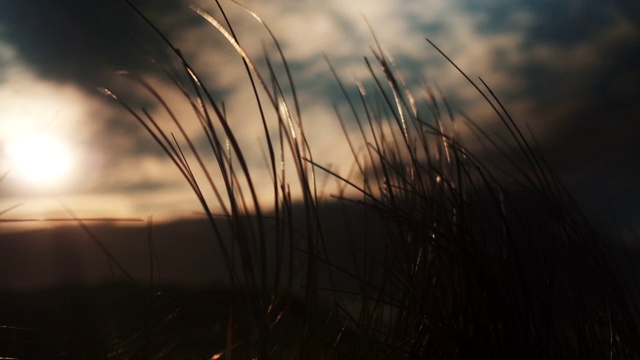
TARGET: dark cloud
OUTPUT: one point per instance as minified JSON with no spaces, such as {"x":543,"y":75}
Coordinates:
{"x":81,"y":41}
{"x":584,"y":97}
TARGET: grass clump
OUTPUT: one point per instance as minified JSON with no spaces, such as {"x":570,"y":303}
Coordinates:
{"x":476,"y":254}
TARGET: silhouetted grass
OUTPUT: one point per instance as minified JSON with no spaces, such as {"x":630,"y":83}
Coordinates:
{"x":475,"y":257}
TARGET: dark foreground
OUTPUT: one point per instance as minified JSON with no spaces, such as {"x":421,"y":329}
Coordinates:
{"x":114,"y":320}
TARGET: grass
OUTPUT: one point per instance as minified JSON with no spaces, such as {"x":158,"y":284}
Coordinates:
{"x":473,"y":254}
{"x":466,"y":264}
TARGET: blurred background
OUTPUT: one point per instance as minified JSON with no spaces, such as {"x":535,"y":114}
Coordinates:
{"x":568,"y":71}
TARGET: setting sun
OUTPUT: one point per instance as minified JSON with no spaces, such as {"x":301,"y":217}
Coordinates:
{"x":40,"y":159}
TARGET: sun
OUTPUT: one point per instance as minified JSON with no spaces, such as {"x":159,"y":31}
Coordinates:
{"x":40,"y":158}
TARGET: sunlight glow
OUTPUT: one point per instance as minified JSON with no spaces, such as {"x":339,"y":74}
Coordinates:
{"x":40,"y":159}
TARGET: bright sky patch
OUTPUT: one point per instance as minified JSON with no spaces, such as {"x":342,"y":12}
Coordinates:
{"x":40,"y":159}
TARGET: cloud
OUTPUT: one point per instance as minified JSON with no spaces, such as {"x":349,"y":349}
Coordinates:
{"x":30,"y":104}
{"x":544,"y":66}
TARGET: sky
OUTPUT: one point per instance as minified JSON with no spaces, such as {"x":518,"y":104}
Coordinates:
{"x":568,"y":70}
